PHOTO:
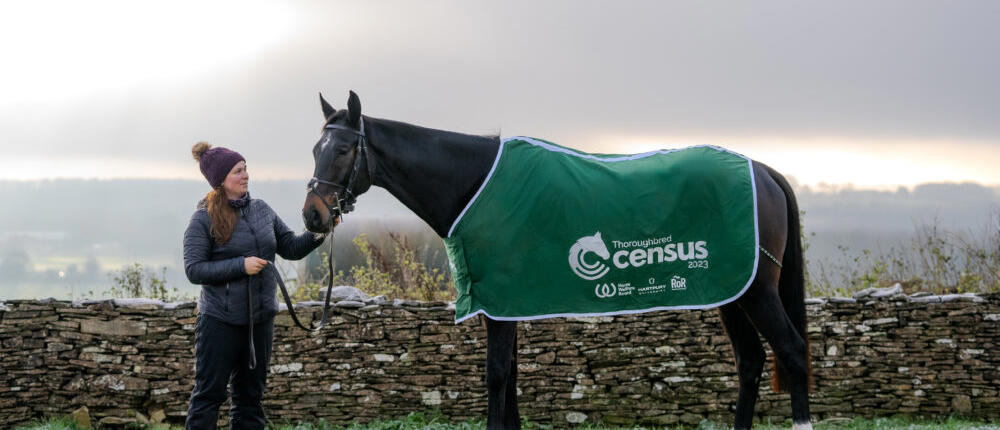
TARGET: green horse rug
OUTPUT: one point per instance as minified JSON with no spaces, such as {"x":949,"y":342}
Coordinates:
{"x":553,"y":232}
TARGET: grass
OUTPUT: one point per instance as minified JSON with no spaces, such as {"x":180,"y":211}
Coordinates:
{"x":876,"y":424}
{"x":434,"y":421}
{"x":50,"y":424}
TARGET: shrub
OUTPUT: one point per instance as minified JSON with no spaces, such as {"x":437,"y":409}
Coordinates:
{"x":392,"y":266}
{"x":935,"y":260}
{"x":135,"y":281}
{"x":399,"y":272}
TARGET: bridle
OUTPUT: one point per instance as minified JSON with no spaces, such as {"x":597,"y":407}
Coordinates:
{"x":341,"y":205}
{"x":345,"y":195}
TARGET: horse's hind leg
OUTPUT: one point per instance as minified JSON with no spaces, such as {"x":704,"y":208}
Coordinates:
{"x":764,"y":308}
{"x":750,"y":358}
{"x":501,"y":376}
{"x":511,"y":416}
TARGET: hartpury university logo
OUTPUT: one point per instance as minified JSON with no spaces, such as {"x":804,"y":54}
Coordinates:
{"x":579,"y":250}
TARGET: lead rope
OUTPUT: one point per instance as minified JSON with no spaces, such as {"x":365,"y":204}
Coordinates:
{"x":253,"y":352}
{"x":329,"y":287}
{"x":288,"y":301}
{"x":291,"y":310}
{"x":768,"y":254}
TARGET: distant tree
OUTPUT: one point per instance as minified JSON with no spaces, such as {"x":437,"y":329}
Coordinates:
{"x":15,"y":264}
{"x":72,"y":272}
{"x":91,"y":269}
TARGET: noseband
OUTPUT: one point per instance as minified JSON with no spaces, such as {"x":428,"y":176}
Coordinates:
{"x":344,"y":195}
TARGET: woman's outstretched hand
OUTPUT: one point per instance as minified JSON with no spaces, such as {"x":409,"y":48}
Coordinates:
{"x":254,"y":265}
{"x":321,"y":236}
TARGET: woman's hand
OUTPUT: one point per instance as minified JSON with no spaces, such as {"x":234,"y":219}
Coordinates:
{"x":322,"y":236}
{"x":254,"y":265}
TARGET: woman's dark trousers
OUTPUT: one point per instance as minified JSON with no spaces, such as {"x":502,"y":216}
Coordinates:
{"x":222,"y":356}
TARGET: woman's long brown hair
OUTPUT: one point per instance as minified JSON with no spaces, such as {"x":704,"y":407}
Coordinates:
{"x":222,"y":215}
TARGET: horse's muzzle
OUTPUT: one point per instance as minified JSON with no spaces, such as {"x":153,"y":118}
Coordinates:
{"x":312,"y":215}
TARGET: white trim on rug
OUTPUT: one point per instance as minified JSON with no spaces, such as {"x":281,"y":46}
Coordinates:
{"x":550,"y":147}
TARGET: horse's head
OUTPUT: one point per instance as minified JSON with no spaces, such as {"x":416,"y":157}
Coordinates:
{"x":343,"y":166}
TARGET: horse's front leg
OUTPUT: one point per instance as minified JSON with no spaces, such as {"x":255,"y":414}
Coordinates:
{"x":501,"y":374}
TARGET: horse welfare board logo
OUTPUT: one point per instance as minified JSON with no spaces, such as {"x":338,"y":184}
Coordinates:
{"x":605,"y":290}
{"x":577,"y":252}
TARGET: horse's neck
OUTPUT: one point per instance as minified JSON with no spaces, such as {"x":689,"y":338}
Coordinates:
{"x":433,"y":172}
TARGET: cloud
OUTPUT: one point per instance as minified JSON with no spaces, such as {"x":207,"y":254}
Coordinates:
{"x":566,"y":71}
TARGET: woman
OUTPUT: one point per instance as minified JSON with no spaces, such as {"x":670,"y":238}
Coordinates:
{"x":227,"y":246}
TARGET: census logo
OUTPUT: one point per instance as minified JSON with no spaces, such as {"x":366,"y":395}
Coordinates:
{"x":631,"y":254}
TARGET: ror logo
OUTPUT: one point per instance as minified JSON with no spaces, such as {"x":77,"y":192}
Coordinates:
{"x":678,"y":283}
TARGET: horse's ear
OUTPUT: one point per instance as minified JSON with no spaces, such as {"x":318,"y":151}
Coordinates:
{"x":354,"y":109}
{"x":328,"y":110}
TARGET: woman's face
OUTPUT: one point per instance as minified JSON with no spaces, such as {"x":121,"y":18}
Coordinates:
{"x":236,"y":181}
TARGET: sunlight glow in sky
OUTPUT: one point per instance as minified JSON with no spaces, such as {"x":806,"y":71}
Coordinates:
{"x":881,"y":164}
{"x":812,"y":162}
{"x":55,"y":50}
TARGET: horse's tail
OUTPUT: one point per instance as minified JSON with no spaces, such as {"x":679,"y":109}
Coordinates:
{"x":791,"y":284}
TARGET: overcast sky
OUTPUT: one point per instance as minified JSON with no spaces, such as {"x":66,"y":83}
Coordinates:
{"x":872,"y":93}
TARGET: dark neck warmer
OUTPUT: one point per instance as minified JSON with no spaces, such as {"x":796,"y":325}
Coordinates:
{"x":241,"y":202}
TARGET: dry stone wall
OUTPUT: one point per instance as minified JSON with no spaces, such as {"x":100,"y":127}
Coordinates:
{"x":874,"y":355}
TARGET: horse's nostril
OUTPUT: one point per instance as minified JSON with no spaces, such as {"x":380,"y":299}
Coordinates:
{"x":314,"y":219}
{"x":311,"y":218}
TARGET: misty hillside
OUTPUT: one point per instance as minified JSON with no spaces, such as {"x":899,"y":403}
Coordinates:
{"x":62,"y":237}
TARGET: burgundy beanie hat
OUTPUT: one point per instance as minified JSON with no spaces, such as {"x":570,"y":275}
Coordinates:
{"x":215,"y":163}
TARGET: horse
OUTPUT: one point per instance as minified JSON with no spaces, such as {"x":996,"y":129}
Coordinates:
{"x":435,"y":173}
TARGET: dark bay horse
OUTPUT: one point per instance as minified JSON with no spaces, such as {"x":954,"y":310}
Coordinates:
{"x":435,"y":173}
